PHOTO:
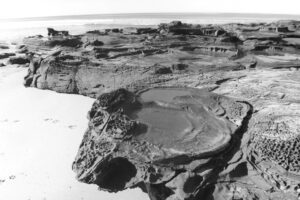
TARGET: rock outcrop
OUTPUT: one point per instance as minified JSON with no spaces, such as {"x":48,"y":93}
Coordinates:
{"x":6,"y":55}
{"x":52,"y":32}
{"x":104,"y":62}
{"x":160,"y":140}
{"x":19,"y":60}
{"x":4,"y":46}
{"x":177,"y":27}
{"x":166,"y":132}
{"x":274,"y":148}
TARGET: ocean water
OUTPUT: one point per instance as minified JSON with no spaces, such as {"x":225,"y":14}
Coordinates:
{"x":16,"y":29}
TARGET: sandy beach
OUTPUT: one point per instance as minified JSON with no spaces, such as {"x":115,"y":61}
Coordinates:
{"x":40,"y":132}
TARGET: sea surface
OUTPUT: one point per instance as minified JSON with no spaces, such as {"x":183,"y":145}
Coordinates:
{"x":16,"y":29}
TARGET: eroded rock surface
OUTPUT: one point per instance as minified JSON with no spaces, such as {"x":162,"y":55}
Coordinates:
{"x":6,"y":55}
{"x":163,"y":140}
{"x":19,"y":60}
{"x":240,"y":142}
{"x":104,"y":60}
{"x":272,"y":149}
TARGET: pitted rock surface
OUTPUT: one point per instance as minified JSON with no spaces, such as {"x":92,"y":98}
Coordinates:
{"x":148,"y":140}
{"x":179,"y":143}
{"x":275,"y":145}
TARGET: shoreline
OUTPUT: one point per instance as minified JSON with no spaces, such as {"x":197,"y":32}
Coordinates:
{"x":32,"y":26}
{"x":40,"y":132}
{"x":238,"y":74}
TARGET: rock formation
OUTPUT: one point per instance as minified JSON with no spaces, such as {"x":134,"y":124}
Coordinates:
{"x":6,"y":55}
{"x":19,"y":60}
{"x":160,"y":140}
{"x":183,"y":111}
{"x":4,"y":46}
{"x":52,"y":32}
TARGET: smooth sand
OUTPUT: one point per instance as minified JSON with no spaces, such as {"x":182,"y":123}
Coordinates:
{"x":40,"y":132}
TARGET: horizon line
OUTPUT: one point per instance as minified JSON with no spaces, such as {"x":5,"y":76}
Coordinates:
{"x":57,"y":17}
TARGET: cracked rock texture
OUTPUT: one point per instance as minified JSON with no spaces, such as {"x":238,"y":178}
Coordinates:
{"x":165,"y":145}
{"x":205,"y":111}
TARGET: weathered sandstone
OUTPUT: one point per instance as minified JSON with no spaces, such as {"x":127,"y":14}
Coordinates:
{"x":182,"y":111}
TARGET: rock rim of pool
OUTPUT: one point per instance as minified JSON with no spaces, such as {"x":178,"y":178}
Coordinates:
{"x":148,"y":138}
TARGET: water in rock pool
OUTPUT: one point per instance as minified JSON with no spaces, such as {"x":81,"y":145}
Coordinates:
{"x":163,"y":122}
{"x":177,"y":124}
{"x":166,"y":94}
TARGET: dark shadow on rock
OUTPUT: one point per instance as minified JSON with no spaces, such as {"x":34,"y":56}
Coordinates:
{"x":158,"y":191}
{"x":140,"y":129}
{"x":192,"y":183}
{"x":220,"y":165}
{"x":240,"y":170}
{"x":206,"y":193}
{"x":116,"y":174}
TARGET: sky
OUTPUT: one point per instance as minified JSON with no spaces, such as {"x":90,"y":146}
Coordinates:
{"x":39,"y":8}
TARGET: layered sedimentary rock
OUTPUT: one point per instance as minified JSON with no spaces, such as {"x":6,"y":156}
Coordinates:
{"x":272,"y":147}
{"x":160,"y":140}
{"x":4,"y":46}
{"x":6,"y":55}
{"x":19,"y":60}
{"x":113,"y":59}
{"x":164,"y":136}
{"x":101,"y":61}
{"x":177,"y":27}
{"x":275,"y":145}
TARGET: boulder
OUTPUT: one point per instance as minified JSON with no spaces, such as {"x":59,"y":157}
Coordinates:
{"x":146,"y":30}
{"x":179,"y":28}
{"x":162,"y":70}
{"x":113,"y":30}
{"x":96,"y":32}
{"x":53,"y":32}
{"x":179,"y":66}
{"x":64,"y":42}
{"x":159,"y":140}
{"x":36,"y":44}
{"x":19,"y":60}
{"x":22,"y":50}
{"x":6,"y":55}
{"x":97,"y":43}
{"x":2,"y":46}
{"x":20,"y":46}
